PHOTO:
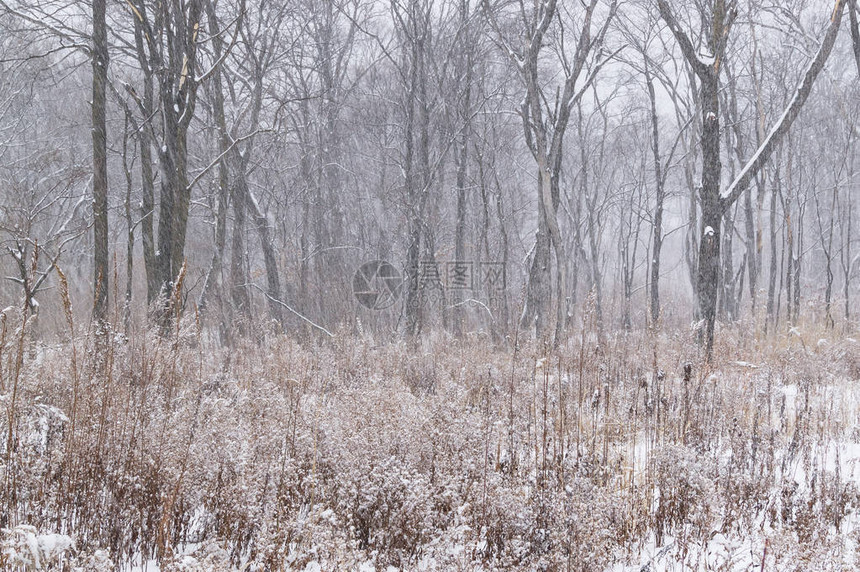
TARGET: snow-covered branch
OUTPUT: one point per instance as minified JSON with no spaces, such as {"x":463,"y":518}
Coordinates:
{"x":781,"y":127}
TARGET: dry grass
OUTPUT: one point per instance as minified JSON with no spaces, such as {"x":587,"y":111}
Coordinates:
{"x":456,"y":456}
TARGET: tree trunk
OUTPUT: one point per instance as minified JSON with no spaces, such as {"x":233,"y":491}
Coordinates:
{"x":751,"y":248}
{"x":847,"y":262}
{"x":304,"y":242}
{"x":129,"y":270}
{"x":129,"y":226}
{"x":178,"y":93}
{"x":772,"y":313}
{"x":413,"y":308}
{"x":147,"y":178}
{"x":798,"y":261}
{"x":238,"y":278}
{"x":727,"y":301}
{"x":657,"y":230}
{"x":460,"y":232}
{"x":789,"y":273}
{"x":503,"y":231}
{"x":270,"y":259}
{"x":100,"y":181}
{"x":538,"y":289}
{"x":461,"y":155}
{"x":213,"y":275}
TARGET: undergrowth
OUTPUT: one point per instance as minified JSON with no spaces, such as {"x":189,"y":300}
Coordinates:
{"x":281,"y":455}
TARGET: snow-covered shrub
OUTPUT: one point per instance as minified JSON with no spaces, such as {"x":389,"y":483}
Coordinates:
{"x":684,"y":491}
{"x":589,"y":526}
{"x":23,"y":548}
{"x":98,"y":561}
{"x":389,"y":510}
{"x":209,"y":557}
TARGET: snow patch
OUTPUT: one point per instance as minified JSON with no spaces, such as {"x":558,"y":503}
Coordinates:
{"x":23,"y":546}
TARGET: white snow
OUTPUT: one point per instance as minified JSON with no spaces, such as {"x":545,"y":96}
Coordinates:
{"x":706,"y":58}
{"x":54,"y":545}
{"x":23,"y":546}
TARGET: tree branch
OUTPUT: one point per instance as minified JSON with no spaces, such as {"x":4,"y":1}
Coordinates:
{"x":683,"y":41}
{"x":765,"y":150}
{"x":42,"y":22}
{"x":239,"y":20}
{"x":223,"y":154}
{"x":855,"y":32}
{"x":276,"y":301}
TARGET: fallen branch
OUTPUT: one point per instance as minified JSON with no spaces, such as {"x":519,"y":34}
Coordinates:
{"x":285,"y":305}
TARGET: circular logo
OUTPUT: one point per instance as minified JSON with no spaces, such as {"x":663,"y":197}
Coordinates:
{"x":376,"y":285}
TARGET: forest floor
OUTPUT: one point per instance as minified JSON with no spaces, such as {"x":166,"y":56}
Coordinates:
{"x":173,"y":454}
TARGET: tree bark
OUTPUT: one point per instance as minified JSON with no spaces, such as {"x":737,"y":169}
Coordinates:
{"x":657,"y":230}
{"x":772,"y":312}
{"x":461,"y":154}
{"x":129,"y":229}
{"x":147,"y":179}
{"x":413,"y":172}
{"x":178,"y":94}
{"x":100,"y":177}
{"x":213,"y":274}
{"x":238,"y":277}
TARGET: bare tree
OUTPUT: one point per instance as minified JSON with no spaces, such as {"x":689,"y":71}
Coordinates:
{"x":714,"y":201}
{"x":640,"y":30}
{"x":413,"y":23}
{"x":463,"y":71}
{"x":167,"y":52}
{"x":544,"y":127}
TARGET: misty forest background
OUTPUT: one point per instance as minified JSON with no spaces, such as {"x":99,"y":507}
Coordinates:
{"x":265,"y":150}
{"x":616,"y":331}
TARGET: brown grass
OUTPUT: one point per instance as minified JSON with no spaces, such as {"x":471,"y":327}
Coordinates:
{"x":455,"y":456}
